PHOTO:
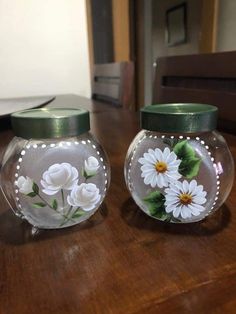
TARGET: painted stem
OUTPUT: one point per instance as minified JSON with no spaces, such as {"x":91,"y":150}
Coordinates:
{"x":63,"y":198}
{"x":69,"y":211}
{"x":64,"y":216}
{"x":45,"y":201}
{"x":67,"y":218}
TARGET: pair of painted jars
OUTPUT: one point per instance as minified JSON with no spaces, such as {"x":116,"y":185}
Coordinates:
{"x":55,"y":174}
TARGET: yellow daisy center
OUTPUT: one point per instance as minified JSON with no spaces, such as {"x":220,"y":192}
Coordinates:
{"x":185,"y":199}
{"x":161,"y":166}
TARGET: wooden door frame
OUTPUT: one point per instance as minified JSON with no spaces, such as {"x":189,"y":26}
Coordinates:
{"x":121,"y":32}
{"x":208,"y":35}
{"x":90,"y":36}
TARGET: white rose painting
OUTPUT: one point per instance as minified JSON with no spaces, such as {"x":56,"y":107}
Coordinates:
{"x":72,"y":196}
{"x":85,"y":195}
{"x":91,"y":166}
{"x":25,"y":185}
{"x":59,"y":177}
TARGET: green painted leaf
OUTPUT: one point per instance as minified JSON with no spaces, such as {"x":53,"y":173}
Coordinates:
{"x":54,"y":204}
{"x":189,"y":168}
{"x":190,"y":164}
{"x":163,"y":216}
{"x":86,"y":175}
{"x":31,"y":194}
{"x":155,"y":202}
{"x":35,"y":188}
{"x":78,"y":213}
{"x":39,"y":205}
{"x":156,"y":209}
{"x":183,"y":150}
{"x":154,"y":197}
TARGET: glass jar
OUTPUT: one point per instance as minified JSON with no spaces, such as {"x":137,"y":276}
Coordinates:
{"x":178,"y":168}
{"x":54,"y":173}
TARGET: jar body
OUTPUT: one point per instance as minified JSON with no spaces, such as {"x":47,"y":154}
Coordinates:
{"x":179,"y":178}
{"x":55,"y":183}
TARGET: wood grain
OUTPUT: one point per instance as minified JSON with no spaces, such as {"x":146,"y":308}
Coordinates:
{"x":209,"y":19}
{"x":114,"y":83}
{"x":121,"y":31}
{"x":202,"y":78}
{"x":121,"y":260}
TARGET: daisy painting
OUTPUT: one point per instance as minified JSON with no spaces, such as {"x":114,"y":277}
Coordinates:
{"x":185,"y":199}
{"x":175,"y":196}
{"x":159,"y":168}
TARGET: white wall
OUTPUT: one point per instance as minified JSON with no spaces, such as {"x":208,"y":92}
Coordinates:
{"x":226,"y":30}
{"x":43,"y":48}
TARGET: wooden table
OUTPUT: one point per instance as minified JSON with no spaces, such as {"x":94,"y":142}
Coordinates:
{"x":120,"y":261}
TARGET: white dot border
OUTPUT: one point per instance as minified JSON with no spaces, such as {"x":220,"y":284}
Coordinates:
{"x":59,"y":144}
{"x":130,"y":185}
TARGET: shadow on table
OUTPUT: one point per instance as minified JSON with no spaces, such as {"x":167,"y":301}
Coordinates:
{"x":135,"y":217}
{"x":15,"y":231}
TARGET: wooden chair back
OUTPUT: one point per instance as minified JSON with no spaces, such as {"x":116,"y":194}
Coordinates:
{"x":203,"y":78}
{"x":114,"y":83}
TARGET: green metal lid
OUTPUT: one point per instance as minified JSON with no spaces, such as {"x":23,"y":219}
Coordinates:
{"x":180,"y":117}
{"x":50,"y":122}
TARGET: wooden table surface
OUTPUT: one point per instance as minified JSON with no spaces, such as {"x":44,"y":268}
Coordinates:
{"x":120,"y":261}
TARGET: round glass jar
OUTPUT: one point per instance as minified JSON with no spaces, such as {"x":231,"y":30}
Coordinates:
{"x":178,"y":168}
{"x":54,"y":173}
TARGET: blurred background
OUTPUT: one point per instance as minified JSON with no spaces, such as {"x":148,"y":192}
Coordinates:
{"x":50,"y":46}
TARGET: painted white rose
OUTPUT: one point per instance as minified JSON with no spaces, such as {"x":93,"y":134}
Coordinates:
{"x":85,"y":195}
{"x":58,"y":177}
{"x":91,"y":166}
{"x":25,"y":185}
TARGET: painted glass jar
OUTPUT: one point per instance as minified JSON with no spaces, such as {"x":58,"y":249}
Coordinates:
{"x":54,"y":173}
{"x":178,"y":168}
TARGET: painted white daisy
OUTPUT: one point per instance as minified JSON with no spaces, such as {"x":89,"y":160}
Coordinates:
{"x":159,"y":168}
{"x":185,"y":199}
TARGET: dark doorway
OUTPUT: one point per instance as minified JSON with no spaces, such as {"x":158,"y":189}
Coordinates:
{"x":102,"y":30}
